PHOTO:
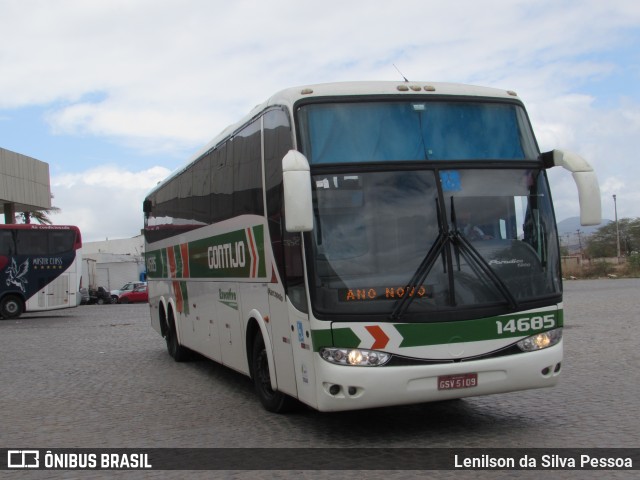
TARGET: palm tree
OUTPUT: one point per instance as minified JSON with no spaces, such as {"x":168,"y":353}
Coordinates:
{"x":40,"y":216}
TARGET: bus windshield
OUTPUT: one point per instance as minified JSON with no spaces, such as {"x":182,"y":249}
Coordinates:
{"x":415,"y":130}
{"x":397,"y":242}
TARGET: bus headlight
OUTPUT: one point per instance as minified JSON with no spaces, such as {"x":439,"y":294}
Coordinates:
{"x":354,"y":356}
{"x":540,"y":340}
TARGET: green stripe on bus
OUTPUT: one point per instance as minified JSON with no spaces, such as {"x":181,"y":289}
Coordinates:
{"x":426,"y":334}
{"x":321,"y":338}
{"x":491,"y":328}
{"x":237,"y":254}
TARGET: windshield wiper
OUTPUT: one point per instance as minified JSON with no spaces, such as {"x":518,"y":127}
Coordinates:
{"x":475,"y":259}
{"x":463,"y":248}
{"x":423,"y":269}
{"x":420,"y":275}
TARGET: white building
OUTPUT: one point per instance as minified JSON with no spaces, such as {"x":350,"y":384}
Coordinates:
{"x":112,"y":263}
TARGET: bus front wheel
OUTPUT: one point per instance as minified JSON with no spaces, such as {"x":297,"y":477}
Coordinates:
{"x":271,"y":400}
{"x":11,"y":307}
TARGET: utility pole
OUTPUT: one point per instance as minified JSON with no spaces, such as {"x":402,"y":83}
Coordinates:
{"x":615,"y":208}
{"x":580,"y":242}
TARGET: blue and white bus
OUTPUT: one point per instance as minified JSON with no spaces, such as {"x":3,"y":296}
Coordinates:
{"x":323,"y":246}
{"x":40,"y":268}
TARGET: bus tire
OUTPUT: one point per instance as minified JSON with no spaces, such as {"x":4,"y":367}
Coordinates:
{"x":177,"y":351}
{"x":272,"y":401}
{"x":11,"y":306}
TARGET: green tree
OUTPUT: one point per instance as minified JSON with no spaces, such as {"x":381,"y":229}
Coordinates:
{"x":603,"y":242}
{"x":40,"y":216}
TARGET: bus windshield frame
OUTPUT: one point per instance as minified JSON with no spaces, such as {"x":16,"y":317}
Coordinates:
{"x":417,"y":202}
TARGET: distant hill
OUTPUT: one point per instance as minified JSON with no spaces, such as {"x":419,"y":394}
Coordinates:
{"x":572,"y":224}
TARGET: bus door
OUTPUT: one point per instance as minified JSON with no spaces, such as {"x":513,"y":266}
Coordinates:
{"x":281,"y":339}
{"x":57,"y":292}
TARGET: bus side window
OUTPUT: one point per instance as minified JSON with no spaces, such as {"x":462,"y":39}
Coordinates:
{"x":31,"y":242}
{"x":62,"y":241}
{"x":7,"y":245}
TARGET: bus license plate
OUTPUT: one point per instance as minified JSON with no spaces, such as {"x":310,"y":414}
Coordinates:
{"x":451,"y":382}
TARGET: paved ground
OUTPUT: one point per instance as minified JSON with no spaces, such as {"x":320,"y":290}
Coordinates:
{"x":100,"y":377}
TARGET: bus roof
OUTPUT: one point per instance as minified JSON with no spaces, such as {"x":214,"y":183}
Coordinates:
{"x":36,"y":226}
{"x":290,"y":96}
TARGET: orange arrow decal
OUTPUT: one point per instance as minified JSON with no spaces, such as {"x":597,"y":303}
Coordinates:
{"x":379,"y":336}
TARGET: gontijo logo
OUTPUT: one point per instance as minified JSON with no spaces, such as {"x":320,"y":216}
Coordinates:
{"x":235,"y":253}
{"x":226,"y":256}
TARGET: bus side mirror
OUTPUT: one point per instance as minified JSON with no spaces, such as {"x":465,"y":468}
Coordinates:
{"x":296,"y":179}
{"x":586,"y":181}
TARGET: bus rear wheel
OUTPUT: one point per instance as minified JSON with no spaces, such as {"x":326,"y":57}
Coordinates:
{"x":177,"y":351}
{"x":271,"y":400}
{"x":11,"y":307}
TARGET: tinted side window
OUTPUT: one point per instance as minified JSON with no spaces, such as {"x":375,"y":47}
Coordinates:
{"x":61,"y":241}
{"x":172,"y":211}
{"x":202,"y":189}
{"x":7,"y":245}
{"x":247,"y":171}
{"x":221,"y":184}
{"x":31,"y":242}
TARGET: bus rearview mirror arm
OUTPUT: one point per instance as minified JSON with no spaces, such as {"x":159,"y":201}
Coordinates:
{"x":296,"y":179}
{"x":586,"y":181}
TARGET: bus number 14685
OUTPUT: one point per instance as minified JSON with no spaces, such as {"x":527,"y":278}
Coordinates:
{"x":526,"y":324}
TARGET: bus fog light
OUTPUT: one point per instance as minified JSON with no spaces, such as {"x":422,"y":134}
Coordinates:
{"x":354,"y":356}
{"x":540,"y":340}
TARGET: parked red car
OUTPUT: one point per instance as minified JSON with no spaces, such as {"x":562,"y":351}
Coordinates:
{"x":138,"y":294}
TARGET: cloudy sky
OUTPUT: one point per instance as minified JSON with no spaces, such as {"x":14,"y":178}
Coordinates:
{"x":115,"y":94}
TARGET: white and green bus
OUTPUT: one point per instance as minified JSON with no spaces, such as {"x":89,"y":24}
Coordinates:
{"x":366,"y":244}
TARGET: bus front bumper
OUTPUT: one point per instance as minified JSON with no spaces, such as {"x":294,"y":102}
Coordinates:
{"x":349,"y":388}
